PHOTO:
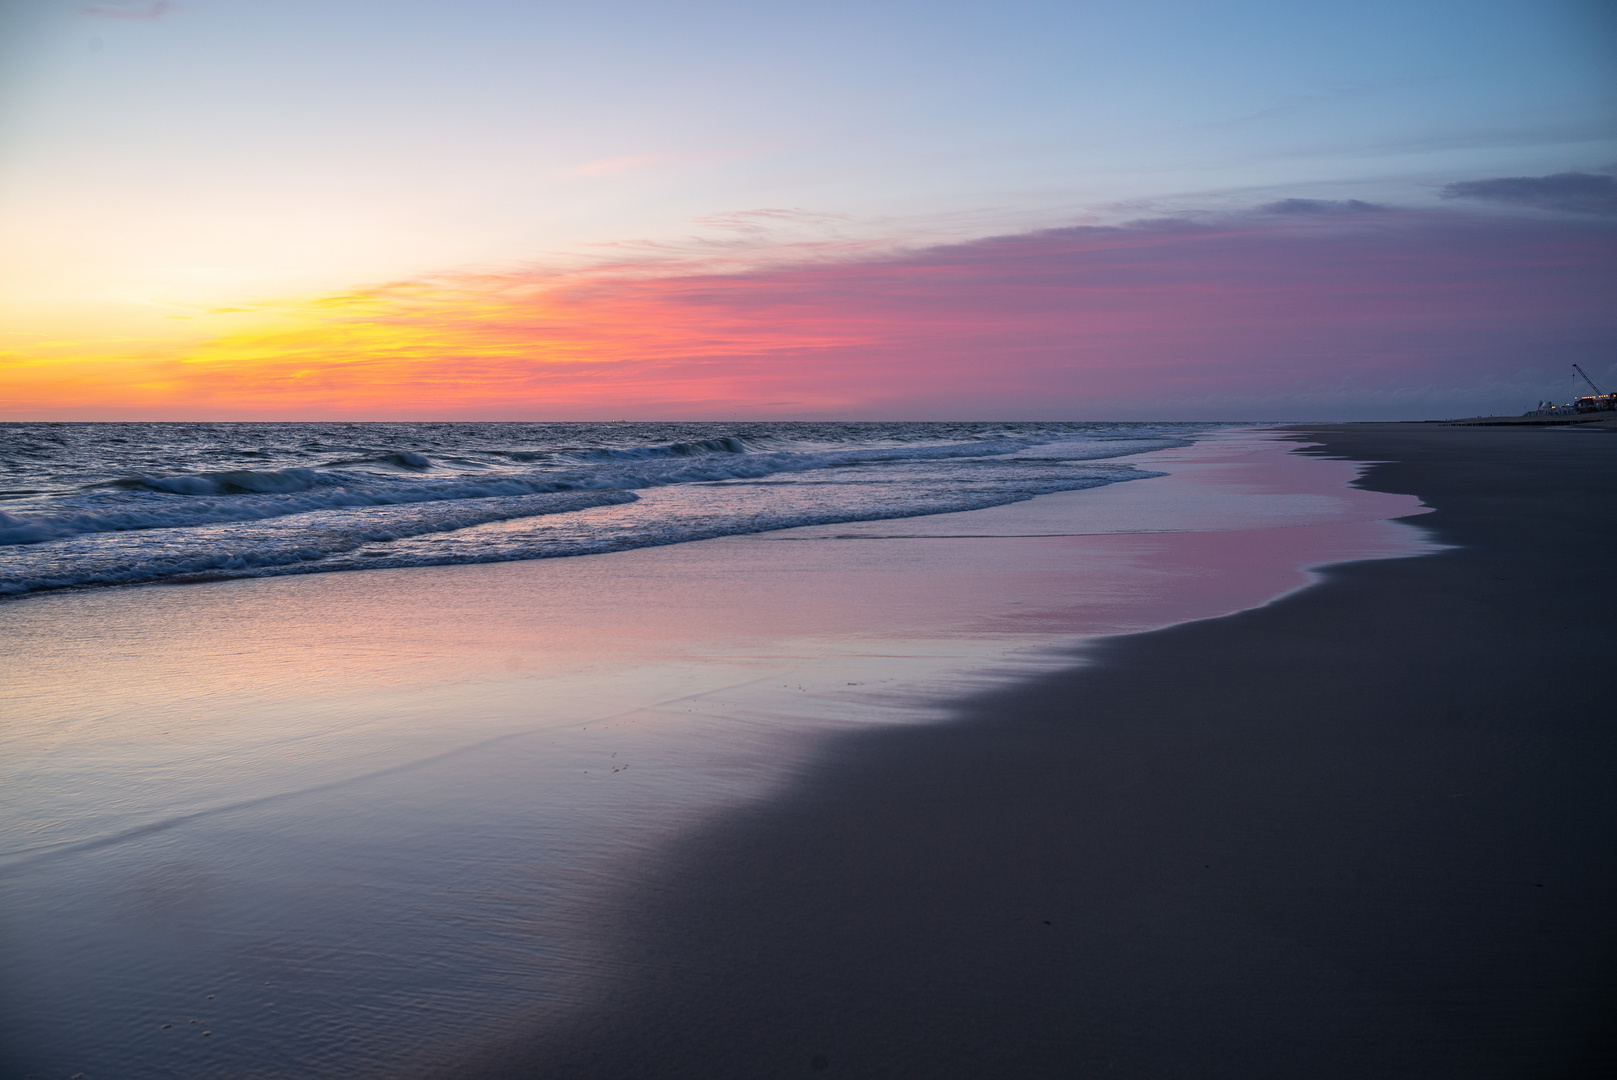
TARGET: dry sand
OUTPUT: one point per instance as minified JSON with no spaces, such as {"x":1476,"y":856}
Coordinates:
{"x":1367,"y":830}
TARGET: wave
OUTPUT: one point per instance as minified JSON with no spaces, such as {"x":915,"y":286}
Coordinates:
{"x":400,"y":460}
{"x":248,"y":495}
{"x":213,"y":511}
{"x":234,"y":552}
{"x":161,"y":507}
{"x":728,"y":444}
{"x":438,"y":535}
{"x":233,"y":482}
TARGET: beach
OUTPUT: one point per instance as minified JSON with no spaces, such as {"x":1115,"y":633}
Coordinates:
{"x":1365,"y":830}
{"x":1225,"y":771}
{"x":703,"y":541}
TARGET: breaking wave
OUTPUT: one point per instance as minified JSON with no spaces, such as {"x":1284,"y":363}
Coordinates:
{"x":109,"y":504}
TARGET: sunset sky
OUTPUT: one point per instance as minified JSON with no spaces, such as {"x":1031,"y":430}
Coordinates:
{"x":283,"y":209}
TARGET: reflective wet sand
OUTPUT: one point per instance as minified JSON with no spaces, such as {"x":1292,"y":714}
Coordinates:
{"x":366,"y":811}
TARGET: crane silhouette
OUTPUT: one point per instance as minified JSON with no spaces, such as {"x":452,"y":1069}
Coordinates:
{"x":1592,"y":384}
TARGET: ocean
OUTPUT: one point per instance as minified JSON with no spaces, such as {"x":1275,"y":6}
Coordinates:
{"x":121,"y":504}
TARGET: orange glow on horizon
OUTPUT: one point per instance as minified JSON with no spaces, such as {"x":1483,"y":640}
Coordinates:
{"x":1041,"y":324}
{"x":474,"y":345}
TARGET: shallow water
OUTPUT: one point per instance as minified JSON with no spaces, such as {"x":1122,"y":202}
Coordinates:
{"x":372,"y":814}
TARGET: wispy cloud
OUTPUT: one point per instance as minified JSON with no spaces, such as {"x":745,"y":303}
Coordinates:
{"x":129,"y":9}
{"x":1572,"y":192}
{"x":768,"y":218}
{"x":1321,"y":207}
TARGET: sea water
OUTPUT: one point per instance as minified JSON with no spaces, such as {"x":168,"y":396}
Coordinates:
{"x":106,"y":504}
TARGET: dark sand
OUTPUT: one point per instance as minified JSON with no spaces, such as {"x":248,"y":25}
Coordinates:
{"x":1367,"y":830}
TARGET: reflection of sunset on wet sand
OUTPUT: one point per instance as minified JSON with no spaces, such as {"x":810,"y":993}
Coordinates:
{"x":450,"y":741}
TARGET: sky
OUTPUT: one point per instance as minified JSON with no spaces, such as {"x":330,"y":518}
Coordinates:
{"x":392,"y":209}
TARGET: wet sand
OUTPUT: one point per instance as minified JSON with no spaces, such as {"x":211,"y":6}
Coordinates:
{"x":349,"y":823}
{"x":1369,"y":829}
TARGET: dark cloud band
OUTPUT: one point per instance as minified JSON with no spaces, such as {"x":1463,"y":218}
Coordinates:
{"x":1571,"y":192}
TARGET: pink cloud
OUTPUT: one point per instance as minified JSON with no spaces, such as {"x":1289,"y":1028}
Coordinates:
{"x":1298,"y":310}
{"x":1363,"y":308}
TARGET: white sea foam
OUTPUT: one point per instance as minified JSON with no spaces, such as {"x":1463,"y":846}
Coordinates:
{"x":109,"y":504}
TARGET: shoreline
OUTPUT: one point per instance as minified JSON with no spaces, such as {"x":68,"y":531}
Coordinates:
{"x":1605,"y":419}
{"x":487,"y":754}
{"x":1365,"y":829}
